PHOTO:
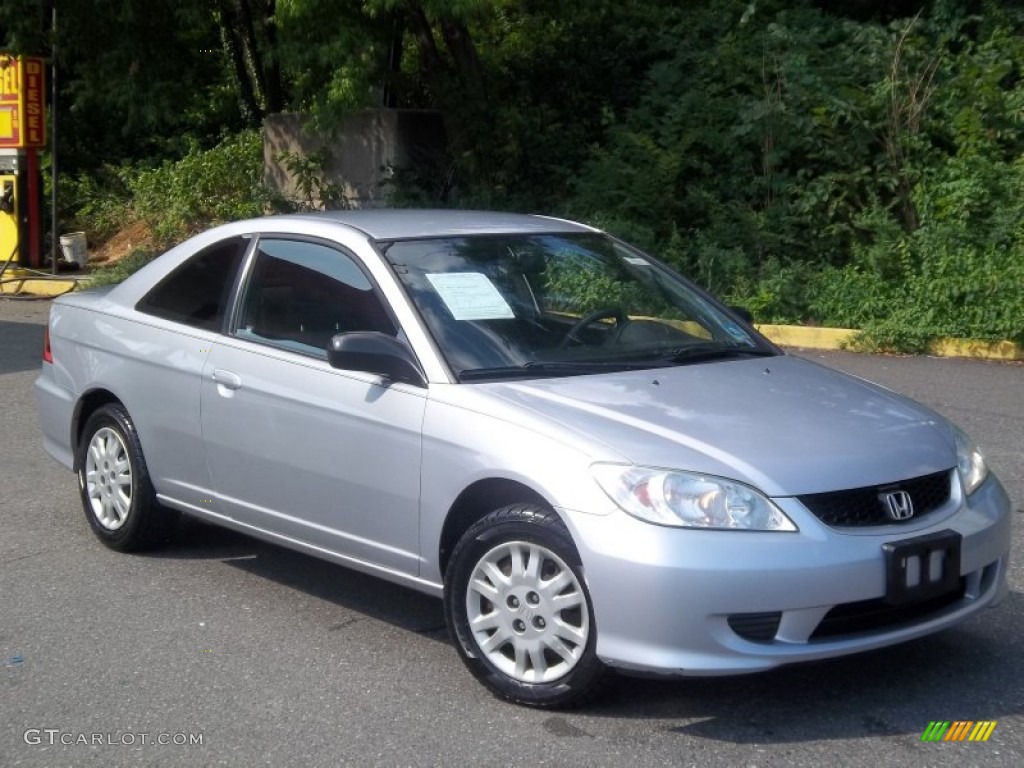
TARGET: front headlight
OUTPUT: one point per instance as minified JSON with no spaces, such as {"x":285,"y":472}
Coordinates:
{"x":969,"y":462}
{"x":688,"y":500}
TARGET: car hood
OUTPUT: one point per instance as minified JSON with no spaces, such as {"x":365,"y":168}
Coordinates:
{"x":782,"y":424}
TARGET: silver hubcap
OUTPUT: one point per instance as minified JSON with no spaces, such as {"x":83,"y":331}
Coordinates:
{"x":528,"y":612}
{"x":108,"y":479}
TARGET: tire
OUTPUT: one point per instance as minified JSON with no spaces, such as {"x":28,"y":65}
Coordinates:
{"x":517,"y":606}
{"x":113,"y":481}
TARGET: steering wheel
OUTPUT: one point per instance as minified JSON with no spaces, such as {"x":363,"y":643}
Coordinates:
{"x":592,"y":317}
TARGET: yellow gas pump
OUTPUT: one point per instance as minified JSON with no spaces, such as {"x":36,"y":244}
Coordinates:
{"x":9,"y":223}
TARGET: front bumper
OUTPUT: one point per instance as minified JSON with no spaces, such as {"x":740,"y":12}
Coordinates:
{"x":664,"y":597}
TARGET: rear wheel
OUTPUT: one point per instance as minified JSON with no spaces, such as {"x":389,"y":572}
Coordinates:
{"x":117,"y":495}
{"x":518,"y":608}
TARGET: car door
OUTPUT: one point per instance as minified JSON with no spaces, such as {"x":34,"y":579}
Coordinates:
{"x":295,"y":447}
{"x":158,"y":362}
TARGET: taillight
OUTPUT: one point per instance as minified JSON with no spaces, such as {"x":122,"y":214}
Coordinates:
{"x":47,"y":352}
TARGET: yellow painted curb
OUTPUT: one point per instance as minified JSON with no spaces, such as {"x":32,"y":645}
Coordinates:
{"x":837,"y":338}
{"x":806,"y":336}
{"x":20,"y":281}
{"x":986,"y":350}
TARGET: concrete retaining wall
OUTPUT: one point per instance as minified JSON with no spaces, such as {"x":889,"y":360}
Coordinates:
{"x":359,"y":156}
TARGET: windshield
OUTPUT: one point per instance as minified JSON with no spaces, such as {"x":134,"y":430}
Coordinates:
{"x":503,"y":306}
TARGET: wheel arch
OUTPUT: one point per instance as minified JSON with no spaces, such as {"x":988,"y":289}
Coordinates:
{"x":87,"y":404}
{"x":476,"y":501}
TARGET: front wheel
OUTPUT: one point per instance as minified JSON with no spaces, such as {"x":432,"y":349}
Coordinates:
{"x":117,"y":495}
{"x":518,"y":608}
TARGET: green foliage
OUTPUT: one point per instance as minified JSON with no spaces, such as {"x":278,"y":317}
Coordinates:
{"x":204,"y":188}
{"x":336,"y":66}
{"x":137,"y":79}
{"x":177,"y":199}
{"x":845,"y":164}
{"x":820,"y":169}
{"x":779,"y":295}
{"x":99,"y":204}
{"x":317,"y":193}
{"x":960,"y":274}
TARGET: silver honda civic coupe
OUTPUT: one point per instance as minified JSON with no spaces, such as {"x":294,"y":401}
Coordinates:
{"x":593,"y":462}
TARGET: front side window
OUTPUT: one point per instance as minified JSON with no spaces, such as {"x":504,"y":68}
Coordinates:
{"x":300,"y":294}
{"x":503,"y":306}
{"x":197,"y":292}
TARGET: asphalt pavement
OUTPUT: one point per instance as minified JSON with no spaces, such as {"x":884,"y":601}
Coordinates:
{"x":222,"y":650}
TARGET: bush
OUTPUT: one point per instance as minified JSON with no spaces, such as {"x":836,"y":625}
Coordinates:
{"x":98,"y":205}
{"x":204,"y":188}
{"x":832,"y":171}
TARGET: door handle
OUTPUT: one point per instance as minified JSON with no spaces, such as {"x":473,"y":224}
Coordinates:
{"x":227,"y":379}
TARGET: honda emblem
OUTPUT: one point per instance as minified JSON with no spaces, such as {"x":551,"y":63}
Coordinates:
{"x":898,"y":505}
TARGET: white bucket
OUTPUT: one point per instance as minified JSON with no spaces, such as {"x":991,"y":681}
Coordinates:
{"x":73,"y":245}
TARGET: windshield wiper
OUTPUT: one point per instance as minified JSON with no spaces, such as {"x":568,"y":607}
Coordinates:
{"x":538,"y":368}
{"x":712,"y":350}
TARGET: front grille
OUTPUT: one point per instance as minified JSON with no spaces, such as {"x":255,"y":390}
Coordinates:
{"x":867,"y":615}
{"x":865,"y":506}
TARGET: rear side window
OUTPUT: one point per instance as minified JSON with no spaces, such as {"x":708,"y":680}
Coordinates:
{"x":197,"y":292}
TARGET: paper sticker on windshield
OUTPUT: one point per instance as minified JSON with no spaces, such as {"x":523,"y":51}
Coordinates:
{"x":470,"y":296}
{"x":637,"y":261}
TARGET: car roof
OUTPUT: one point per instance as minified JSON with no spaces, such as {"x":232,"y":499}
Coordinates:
{"x":405,"y":223}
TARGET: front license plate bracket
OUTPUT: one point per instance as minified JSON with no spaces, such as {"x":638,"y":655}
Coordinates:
{"x":921,"y":568}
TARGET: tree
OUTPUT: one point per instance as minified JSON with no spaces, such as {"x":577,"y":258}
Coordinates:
{"x":248,"y":31}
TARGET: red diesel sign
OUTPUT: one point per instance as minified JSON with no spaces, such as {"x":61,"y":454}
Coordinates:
{"x":22,"y":106}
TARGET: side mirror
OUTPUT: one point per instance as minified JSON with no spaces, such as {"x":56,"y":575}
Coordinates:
{"x":375,"y":352}
{"x":743,"y":313}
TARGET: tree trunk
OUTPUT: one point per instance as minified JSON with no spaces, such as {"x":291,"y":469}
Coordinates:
{"x":390,"y":99}
{"x":467,"y":62}
{"x":430,"y":58}
{"x":248,"y":102}
{"x":274,"y":88}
